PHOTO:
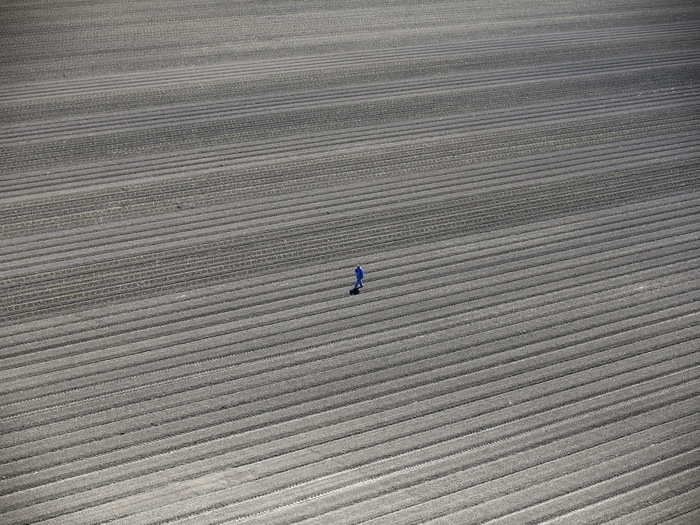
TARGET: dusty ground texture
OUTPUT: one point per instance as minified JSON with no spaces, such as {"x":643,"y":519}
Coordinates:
{"x":186,"y":187}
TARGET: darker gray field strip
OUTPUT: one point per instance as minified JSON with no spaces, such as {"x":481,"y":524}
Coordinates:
{"x":185,"y":191}
{"x":528,"y":170}
{"x":261,"y":215}
{"x":287,"y":65}
{"x":166,"y":117}
{"x":270,"y":249}
{"x":685,"y":99}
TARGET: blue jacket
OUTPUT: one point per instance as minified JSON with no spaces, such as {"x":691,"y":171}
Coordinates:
{"x":359,"y":272}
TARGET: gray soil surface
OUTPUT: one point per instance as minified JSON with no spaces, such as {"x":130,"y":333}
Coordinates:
{"x":186,"y":187}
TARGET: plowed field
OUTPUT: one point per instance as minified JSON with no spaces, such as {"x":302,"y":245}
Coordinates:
{"x":186,"y":188}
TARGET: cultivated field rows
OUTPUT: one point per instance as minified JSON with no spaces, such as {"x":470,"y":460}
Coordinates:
{"x":184,"y":193}
{"x":580,"y":307}
{"x":422,"y":355}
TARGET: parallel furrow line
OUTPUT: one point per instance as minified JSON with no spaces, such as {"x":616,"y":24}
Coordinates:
{"x":482,"y":177}
{"x":432,"y":363}
{"x":79,"y":355}
{"x":335,"y":206}
{"x":427,"y":259}
{"x":638,"y":471}
{"x":549,"y":231}
{"x":630,"y":356}
{"x":299,"y":64}
{"x":165,"y":117}
{"x":496,"y":261}
{"x":455,"y":319}
{"x":208,"y":178}
{"x":217,"y":260}
{"x":92,"y":374}
{"x":422,"y":128}
{"x":192,"y":418}
{"x":387,"y":482}
{"x":192,"y":274}
{"x":653,"y":401}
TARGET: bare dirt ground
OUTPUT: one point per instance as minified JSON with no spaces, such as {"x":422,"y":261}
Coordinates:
{"x":186,"y":187}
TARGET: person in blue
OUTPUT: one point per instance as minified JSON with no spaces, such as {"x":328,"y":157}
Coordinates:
{"x":359,"y":277}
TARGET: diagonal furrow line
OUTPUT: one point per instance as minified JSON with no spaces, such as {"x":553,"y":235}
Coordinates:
{"x":192,"y":418}
{"x":417,"y":218}
{"x":386,"y":482}
{"x":679,"y":470}
{"x":92,"y":374}
{"x":568,"y":484}
{"x":62,"y":209}
{"x":679,"y":397}
{"x":486,"y":263}
{"x":539,"y":410}
{"x":114,"y":282}
{"x":431,"y":367}
{"x":631,"y":340}
{"x":453,"y":320}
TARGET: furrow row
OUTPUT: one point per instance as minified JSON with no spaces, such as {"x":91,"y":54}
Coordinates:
{"x":492,"y":349}
{"x":219,"y":501}
{"x":569,"y":494}
{"x":282,"y":285}
{"x":619,"y":247}
{"x":175,"y":356}
{"x":313,"y":345}
{"x":263,"y":251}
{"x":184,"y":199}
{"x":614,"y":181}
{"x":116,"y":434}
{"x":167,"y":116}
{"x":77,"y":211}
{"x":423,"y":129}
{"x":568,"y":371}
{"x":312,"y":210}
{"x":490,"y":259}
{"x":476,"y":211}
{"x":431,"y":52}
{"x":526,"y":168}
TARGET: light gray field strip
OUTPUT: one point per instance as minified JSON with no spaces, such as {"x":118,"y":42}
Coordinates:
{"x":86,"y":377}
{"x":290,"y":445}
{"x":186,"y":189}
{"x":558,"y":360}
{"x":167,"y":115}
{"x":625,"y":238}
{"x":212,"y":355}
